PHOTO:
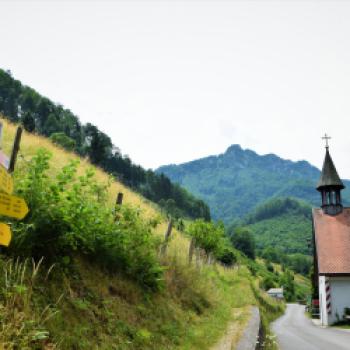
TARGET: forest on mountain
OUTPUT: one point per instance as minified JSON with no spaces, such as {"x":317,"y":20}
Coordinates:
{"x":38,"y":114}
{"x":236,"y":182}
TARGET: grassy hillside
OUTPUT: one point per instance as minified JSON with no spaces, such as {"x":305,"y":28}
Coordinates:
{"x":71,"y":301}
{"x":235,"y":182}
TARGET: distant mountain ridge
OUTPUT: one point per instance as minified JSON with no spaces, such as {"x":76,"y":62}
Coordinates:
{"x":235,"y":182}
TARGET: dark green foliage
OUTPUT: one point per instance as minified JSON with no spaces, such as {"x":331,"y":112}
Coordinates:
{"x":227,"y":255}
{"x":287,"y":281}
{"x":267,"y":283}
{"x":243,"y":240}
{"x":282,"y":231}
{"x":269,"y":267}
{"x":273,"y":254}
{"x":235,"y":182}
{"x":63,"y":140}
{"x":299,"y":263}
{"x":69,"y":215}
{"x":279,"y":206}
{"x":207,"y":235}
{"x":211,"y":237}
{"x":28,"y":122}
{"x":287,"y":233}
{"x":38,"y":114}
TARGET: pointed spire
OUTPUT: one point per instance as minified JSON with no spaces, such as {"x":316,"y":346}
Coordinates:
{"x":329,"y":175}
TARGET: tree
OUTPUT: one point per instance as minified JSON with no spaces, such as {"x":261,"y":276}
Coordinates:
{"x":28,"y":122}
{"x":243,"y":240}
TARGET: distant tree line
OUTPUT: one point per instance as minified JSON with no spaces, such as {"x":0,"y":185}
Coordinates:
{"x":22,"y":104}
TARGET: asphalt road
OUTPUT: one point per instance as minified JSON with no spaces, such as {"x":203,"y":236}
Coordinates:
{"x":295,"y":331}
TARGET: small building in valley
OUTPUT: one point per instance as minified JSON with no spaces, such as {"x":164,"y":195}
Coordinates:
{"x":276,"y":293}
{"x":331,"y":236}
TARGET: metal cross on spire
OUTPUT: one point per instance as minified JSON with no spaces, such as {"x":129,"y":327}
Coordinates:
{"x":326,"y":138}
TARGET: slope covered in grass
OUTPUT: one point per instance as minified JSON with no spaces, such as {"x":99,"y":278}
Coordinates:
{"x":128,"y":296}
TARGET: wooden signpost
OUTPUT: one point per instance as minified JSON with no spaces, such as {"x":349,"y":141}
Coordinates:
{"x":11,"y":206}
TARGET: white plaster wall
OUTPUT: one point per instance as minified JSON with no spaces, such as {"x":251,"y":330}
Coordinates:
{"x":340,"y":297}
{"x":322,"y":297}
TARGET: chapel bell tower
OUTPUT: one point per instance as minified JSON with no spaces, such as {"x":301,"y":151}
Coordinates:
{"x":330,"y":185}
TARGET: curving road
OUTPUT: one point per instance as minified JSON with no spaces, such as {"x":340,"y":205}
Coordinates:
{"x":295,"y":331}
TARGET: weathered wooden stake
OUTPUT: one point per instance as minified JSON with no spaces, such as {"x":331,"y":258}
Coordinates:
{"x":198,"y":257}
{"x":119,"y":200}
{"x":166,"y":237}
{"x":191,"y":250}
{"x":118,"y":203}
{"x":15,"y":150}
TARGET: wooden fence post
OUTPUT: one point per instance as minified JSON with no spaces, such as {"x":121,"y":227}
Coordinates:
{"x":166,"y":237}
{"x":198,"y":257}
{"x":118,"y":203}
{"x":15,"y":149}
{"x":191,"y":250}
{"x":119,"y":200}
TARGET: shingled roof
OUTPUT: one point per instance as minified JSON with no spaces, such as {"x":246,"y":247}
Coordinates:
{"x":332,"y":238}
{"x":329,"y":175}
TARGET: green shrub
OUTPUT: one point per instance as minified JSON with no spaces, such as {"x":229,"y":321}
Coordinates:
{"x":63,"y":140}
{"x":69,"y":214}
{"x":267,"y":283}
{"x":207,"y":235}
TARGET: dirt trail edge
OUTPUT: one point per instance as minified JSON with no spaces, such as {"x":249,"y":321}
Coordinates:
{"x":240,"y":330}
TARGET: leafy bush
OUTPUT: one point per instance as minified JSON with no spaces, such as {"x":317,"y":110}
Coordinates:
{"x":69,"y":214}
{"x":226,"y":255}
{"x":63,"y":140}
{"x":211,"y":237}
{"x":207,"y":235}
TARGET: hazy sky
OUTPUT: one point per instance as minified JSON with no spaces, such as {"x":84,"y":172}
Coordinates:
{"x":172,"y":81}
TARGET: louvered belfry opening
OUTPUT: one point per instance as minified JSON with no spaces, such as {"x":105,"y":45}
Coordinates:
{"x":330,"y":186}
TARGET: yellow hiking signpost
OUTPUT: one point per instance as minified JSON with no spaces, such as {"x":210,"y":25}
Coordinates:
{"x":6,"y":182}
{"x":5,"y":234}
{"x":14,"y":207}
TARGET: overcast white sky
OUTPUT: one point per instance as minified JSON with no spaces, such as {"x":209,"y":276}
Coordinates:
{"x":172,"y":81}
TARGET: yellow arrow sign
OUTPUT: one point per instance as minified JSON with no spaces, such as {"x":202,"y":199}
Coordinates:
{"x":5,"y":234}
{"x":12,"y":206}
{"x":6,"y":181}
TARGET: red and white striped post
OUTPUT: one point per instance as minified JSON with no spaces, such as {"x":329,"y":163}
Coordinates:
{"x":328,"y":296}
